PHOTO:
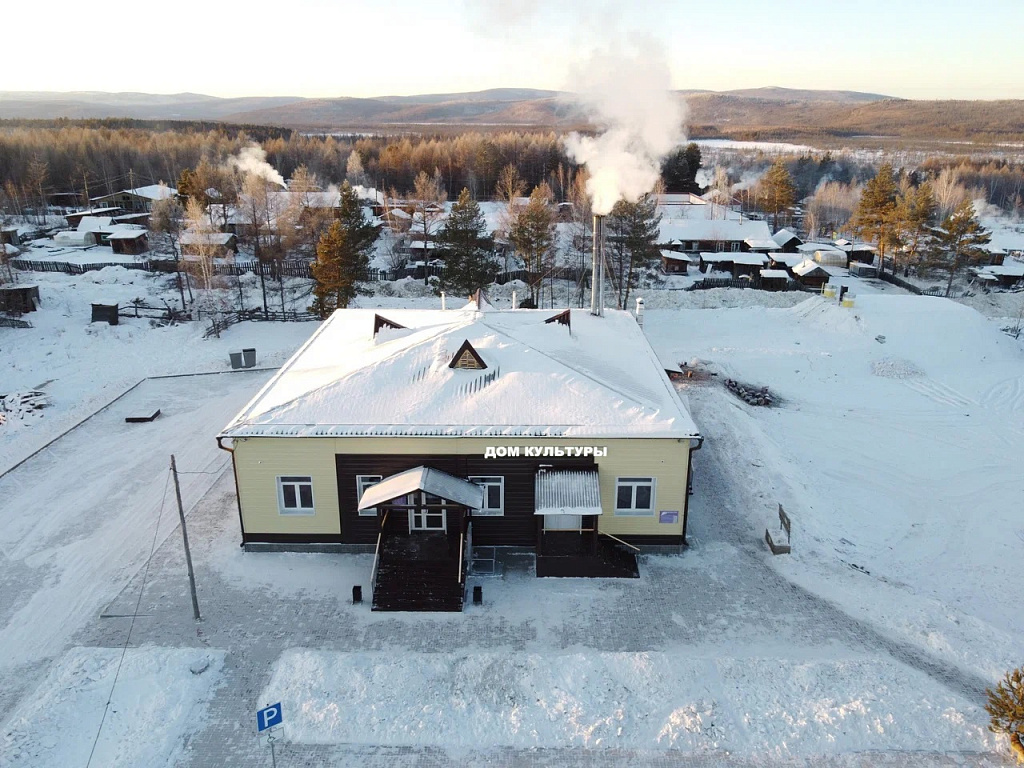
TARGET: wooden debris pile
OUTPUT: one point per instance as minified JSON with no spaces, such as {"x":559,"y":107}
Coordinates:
{"x":22,"y":405}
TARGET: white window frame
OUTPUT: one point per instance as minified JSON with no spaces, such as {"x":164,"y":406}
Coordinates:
{"x":418,"y":514}
{"x":484,"y":481}
{"x":734,"y":247}
{"x":362,"y":483}
{"x":634,"y":483}
{"x":297,"y":481}
{"x":719,"y":246}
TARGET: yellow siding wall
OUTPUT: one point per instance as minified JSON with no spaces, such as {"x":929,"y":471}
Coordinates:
{"x":260,"y":460}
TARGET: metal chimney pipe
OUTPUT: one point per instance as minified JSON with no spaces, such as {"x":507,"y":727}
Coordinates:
{"x":597,"y":269}
{"x":640,"y":312}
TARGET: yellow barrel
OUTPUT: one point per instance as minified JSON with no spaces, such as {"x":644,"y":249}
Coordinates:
{"x":829,"y":291}
{"x":848,"y":300}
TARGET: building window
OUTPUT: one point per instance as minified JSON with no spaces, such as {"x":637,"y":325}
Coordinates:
{"x":362,"y":483}
{"x":634,"y":496}
{"x":693,"y":245}
{"x":494,"y":496}
{"x":295,"y":495}
{"x":719,"y":246}
{"x":734,"y":246}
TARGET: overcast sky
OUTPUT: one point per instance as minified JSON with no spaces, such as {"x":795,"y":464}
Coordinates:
{"x":921,"y":49}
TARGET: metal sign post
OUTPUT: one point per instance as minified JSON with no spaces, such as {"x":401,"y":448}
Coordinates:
{"x":184,"y":537}
{"x":267,"y":719}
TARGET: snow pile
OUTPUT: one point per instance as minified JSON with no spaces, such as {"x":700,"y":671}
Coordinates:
{"x":661,"y":700}
{"x":157,"y":703}
{"x":894,"y":368}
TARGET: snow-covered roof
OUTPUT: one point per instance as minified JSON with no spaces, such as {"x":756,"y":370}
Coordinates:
{"x":783,"y":236}
{"x":427,"y":479}
{"x":1009,"y":269}
{"x":208,"y":238}
{"x":749,"y":259}
{"x":772,"y":274}
{"x":567,"y":492}
{"x":733,"y":229}
{"x":789,"y":259}
{"x":717,"y":257}
{"x":762,"y":245}
{"x":676,"y":256}
{"x":93,"y":211}
{"x":806,"y":267}
{"x":126,"y":234}
{"x":814,"y":247}
{"x":601,"y":379}
{"x":94,"y":223}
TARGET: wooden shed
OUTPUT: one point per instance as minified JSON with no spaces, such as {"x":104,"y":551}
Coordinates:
{"x":810,"y":273}
{"x":19,"y":298}
{"x":128,"y":242}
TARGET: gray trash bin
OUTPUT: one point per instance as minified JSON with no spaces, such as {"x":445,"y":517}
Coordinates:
{"x":249,"y":357}
{"x":236,"y":359}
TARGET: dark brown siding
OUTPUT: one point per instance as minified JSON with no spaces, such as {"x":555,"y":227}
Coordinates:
{"x":516,"y":528}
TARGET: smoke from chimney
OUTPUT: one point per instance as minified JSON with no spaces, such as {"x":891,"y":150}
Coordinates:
{"x":252,"y":160}
{"x":628,"y":94}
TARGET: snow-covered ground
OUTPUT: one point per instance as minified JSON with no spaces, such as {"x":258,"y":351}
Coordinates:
{"x":894,"y":451}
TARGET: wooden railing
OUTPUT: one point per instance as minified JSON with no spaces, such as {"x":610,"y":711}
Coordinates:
{"x":616,"y":538}
{"x":376,"y":556}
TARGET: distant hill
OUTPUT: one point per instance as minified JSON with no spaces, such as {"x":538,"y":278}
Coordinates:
{"x":762,"y":113}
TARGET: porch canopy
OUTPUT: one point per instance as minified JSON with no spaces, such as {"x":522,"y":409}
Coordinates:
{"x":567,"y":492}
{"x":428,"y":480}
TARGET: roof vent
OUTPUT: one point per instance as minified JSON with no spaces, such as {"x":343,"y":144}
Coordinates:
{"x":382,"y":322}
{"x":467,"y":358}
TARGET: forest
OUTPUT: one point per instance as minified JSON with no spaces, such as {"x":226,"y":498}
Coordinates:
{"x":65,"y":162}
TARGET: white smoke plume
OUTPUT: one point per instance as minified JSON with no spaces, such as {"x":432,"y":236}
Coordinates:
{"x":252,"y":160}
{"x":628,"y":95}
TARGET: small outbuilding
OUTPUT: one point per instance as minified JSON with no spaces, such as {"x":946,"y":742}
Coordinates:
{"x":747,"y":264}
{"x":774,"y":279}
{"x":218,"y":245}
{"x":19,"y":298}
{"x":810,"y":274}
{"x":128,"y":242}
{"x":674,"y":263}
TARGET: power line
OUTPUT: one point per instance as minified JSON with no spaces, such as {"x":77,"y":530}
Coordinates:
{"x":135,"y":614}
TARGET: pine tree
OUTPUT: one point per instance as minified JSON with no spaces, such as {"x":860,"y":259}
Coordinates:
{"x":632,"y":237}
{"x":1006,"y":708}
{"x":915,"y":213}
{"x":342,"y":256}
{"x":533,"y":236}
{"x":679,"y":170}
{"x":875,"y":218}
{"x":465,"y":248}
{"x":957,"y":243}
{"x":776,"y":191}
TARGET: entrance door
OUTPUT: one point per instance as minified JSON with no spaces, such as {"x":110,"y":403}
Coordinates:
{"x":431,"y":516}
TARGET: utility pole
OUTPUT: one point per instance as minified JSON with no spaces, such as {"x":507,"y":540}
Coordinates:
{"x":184,"y":537}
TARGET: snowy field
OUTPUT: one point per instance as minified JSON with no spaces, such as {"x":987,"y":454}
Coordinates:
{"x":895,"y":450}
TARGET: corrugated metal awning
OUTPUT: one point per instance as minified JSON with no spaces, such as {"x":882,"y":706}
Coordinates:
{"x":568,"y":492}
{"x":428,"y":480}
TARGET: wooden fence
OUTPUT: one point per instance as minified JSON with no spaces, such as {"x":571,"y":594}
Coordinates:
{"x":224,"y":320}
{"x":11,"y":322}
{"x":728,"y":282}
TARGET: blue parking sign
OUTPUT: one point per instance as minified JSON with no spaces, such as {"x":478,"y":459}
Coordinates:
{"x":268,"y":717}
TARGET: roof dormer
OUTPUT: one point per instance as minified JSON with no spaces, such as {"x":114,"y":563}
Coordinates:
{"x":467,"y":358}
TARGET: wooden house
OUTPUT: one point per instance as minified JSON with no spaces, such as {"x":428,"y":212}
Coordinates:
{"x":420,"y":434}
{"x":787,"y":240}
{"x":136,"y":200}
{"x":811,"y":274}
{"x":75,"y":218}
{"x":715,"y":261}
{"x":747,"y":264}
